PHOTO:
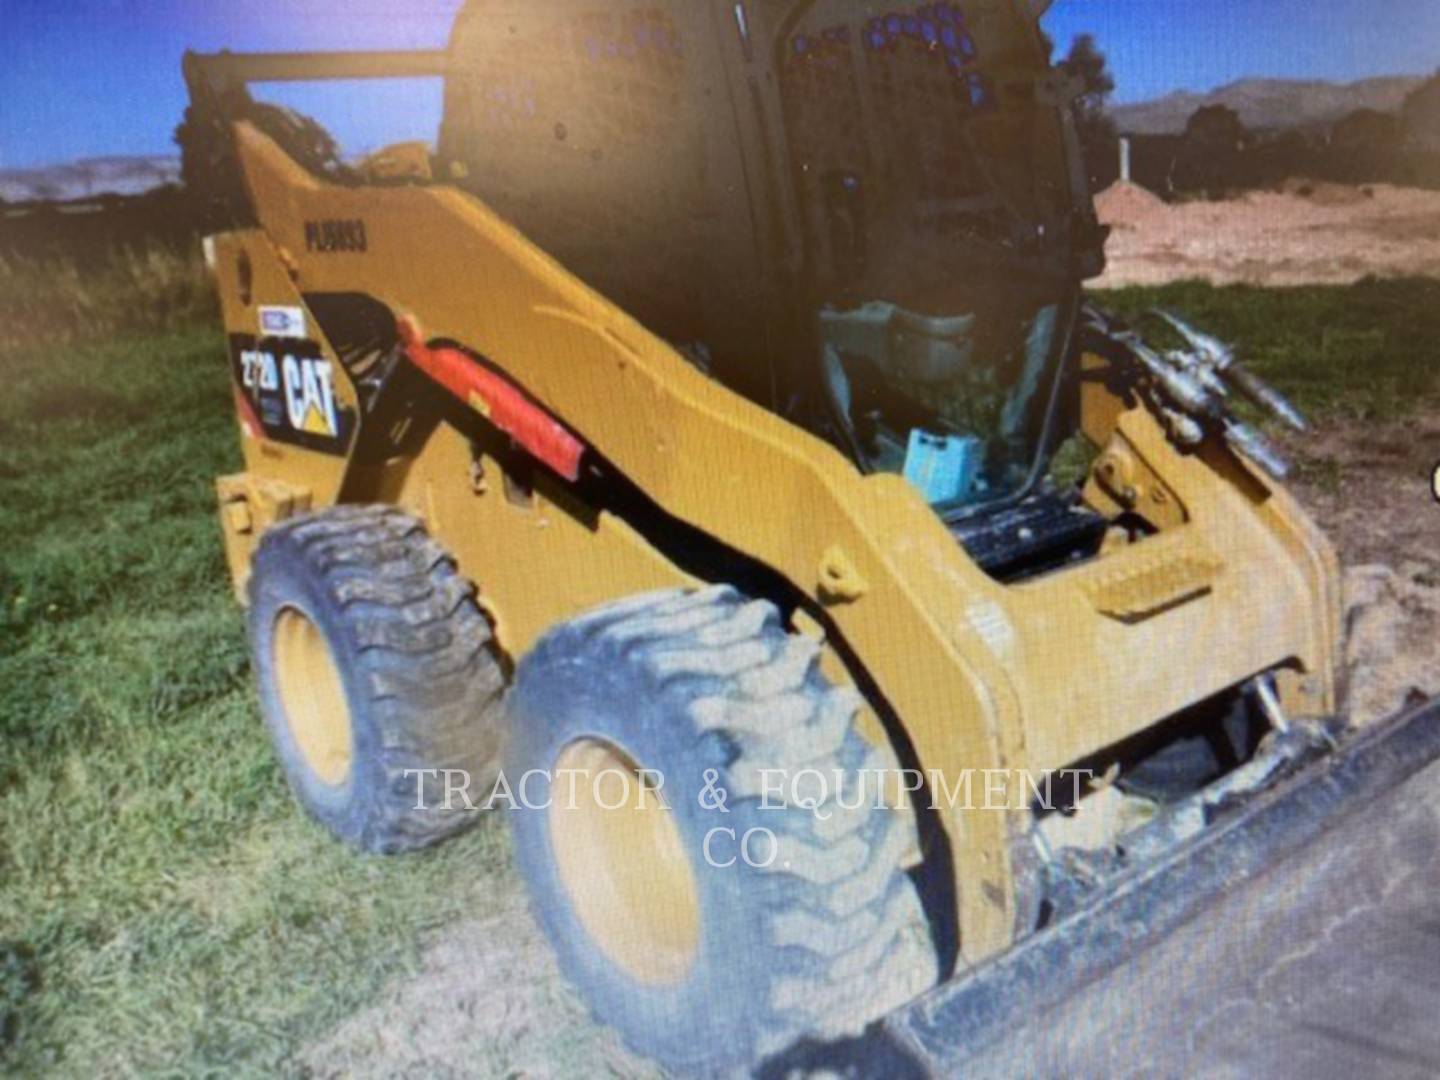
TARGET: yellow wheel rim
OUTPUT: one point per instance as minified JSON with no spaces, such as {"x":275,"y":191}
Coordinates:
{"x":312,"y":697}
{"x":623,"y":863}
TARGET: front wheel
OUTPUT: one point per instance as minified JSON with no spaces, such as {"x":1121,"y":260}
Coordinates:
{"x":377,"y":675}
{"x":702,"y":916}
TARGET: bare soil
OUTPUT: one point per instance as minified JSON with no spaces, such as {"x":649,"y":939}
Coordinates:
{"x":1370,"y":486}
{"x":1307,"y":233}
{"x":489,"y":1002}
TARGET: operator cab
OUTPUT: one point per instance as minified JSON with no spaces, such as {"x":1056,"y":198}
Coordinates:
{"x":864,"y":217}
{"x":938,"y":211}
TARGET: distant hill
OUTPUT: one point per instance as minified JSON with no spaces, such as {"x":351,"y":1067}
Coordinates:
{"x":1269,"y":103}
{"x":89,"y":177}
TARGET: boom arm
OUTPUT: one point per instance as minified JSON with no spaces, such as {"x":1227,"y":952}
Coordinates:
{"x":215,"y":73}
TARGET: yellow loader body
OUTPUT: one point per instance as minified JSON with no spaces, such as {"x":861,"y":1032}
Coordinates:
{"x":982,"y":678}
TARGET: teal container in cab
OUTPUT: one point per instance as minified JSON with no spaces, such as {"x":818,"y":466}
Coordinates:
{"x":944,"y":468}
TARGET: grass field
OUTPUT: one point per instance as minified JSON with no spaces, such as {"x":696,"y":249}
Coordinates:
{"x":164,"y":908}
{"x":1367,"y":352}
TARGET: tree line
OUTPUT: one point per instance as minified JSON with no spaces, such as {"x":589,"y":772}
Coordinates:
{"x":1217,"y":155}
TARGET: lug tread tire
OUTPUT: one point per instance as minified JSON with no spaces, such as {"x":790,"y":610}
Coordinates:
{"x":418,"y":660}
{"x":840,"y":936}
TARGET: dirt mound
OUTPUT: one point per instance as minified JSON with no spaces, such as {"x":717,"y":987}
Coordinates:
{"x":1392,"y":655}
{"x":1368,"y":484}
{"x":1307,"y":233}
{"x":1130,"y":206}
{"x":1324,"y":193}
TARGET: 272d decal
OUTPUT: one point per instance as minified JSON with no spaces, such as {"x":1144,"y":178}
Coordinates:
{"x":290,"y":387}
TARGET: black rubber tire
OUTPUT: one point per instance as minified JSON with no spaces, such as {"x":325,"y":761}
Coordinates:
{"x":417,"y":663}
{"x":824,"y":941}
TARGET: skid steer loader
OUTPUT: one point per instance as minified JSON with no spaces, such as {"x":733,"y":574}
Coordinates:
{"x":715,"y":416}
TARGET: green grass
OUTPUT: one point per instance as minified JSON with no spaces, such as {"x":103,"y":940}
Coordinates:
{"x":1367,"y":352}
{"x":164,"y":906}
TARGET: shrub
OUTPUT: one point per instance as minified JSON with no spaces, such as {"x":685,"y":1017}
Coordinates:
{"x":57,"y":301}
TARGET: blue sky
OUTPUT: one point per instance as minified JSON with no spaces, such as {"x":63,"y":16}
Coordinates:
{"x":83,"y":78}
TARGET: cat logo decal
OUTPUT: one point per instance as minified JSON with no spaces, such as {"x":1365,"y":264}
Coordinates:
{"x":291,"y":393}
{"x":310,"y":396}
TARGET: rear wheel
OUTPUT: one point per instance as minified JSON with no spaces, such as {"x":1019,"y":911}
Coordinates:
{"x":377,"y":676}
{"x":710,"y":936}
